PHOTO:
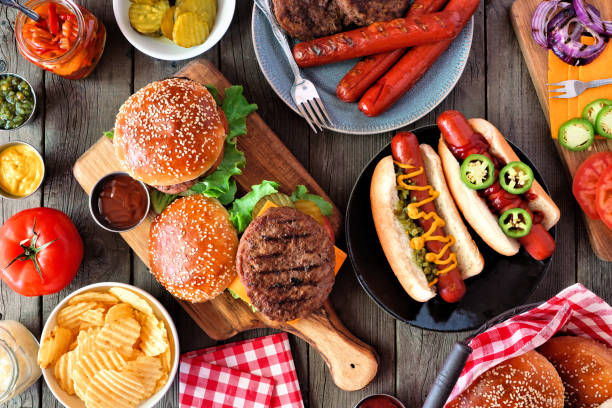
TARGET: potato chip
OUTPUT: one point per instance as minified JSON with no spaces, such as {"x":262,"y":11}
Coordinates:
{"x":86,"y":340}
{"x":70,"y":316}
{"x":148,"y":370}
{"x":118,"y":312}
{"x":166,"y":359}
{"x":167,"y":23}
{"x":153,"y":335}
{"x":161,"y":382}
{"x":146,"y":18}
{"x":63,"y":371}
{"x":93,"y":317}
{"x":113,"y":389}
{"x":119,"y":335}
{"x":99,"y":297}
{"x":132,"y":299}
{"x":87,"y":365}
{"x":190,"y":30}
{"x":53,"y":346}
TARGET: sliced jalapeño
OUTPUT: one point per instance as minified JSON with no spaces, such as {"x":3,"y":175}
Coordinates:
{"x":576,"y":134}
{"x":477,"y":171}
{"x":516,"y":222}
{"x":516,"y":177}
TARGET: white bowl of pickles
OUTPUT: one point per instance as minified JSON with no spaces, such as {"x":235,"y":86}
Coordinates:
{"x":173,"y":30}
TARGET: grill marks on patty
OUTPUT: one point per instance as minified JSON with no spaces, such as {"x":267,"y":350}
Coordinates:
{"x":286,"y":262}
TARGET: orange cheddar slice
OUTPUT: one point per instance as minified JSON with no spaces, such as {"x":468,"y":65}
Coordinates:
{"x":562,"y":110}
{"x":238,"y":288}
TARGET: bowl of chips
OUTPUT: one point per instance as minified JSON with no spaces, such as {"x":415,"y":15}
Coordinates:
{"x":109,"y":345}
{"x":173,"y":30}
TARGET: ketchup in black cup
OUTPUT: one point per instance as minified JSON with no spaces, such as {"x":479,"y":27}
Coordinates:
{"x":380,"y":401}
{"x":119,"y":203}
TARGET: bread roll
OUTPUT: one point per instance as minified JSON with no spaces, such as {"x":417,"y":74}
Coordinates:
{"x":526,"y":381}
{"x":585,"y":366}
{"x":169,"y":132}
{"x":192,"y":248}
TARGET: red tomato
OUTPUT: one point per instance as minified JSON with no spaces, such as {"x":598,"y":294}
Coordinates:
{"x":585,"y":181}
{"x":604,"y":196}
{"x":40,"y":251}
{"x":329,"y":229}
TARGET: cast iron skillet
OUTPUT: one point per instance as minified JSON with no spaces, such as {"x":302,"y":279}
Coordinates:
{"x":505,"y":282}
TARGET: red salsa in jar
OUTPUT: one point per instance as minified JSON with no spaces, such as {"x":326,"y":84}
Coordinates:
{"x":67,"y":40}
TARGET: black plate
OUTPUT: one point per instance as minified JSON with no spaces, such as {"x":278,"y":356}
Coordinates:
{"x":505,"y":282}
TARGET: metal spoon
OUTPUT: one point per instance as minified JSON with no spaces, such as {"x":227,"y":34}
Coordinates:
{"x":28,"y":12}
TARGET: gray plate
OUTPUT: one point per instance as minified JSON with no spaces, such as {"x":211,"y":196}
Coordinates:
{"x":432,"y":89}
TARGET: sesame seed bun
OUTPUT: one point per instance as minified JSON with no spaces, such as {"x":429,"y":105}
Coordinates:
{"x":169,"y":132}
{"x":585,"y":366}
{"x":192,"y":248}
{"x":526,"y":381}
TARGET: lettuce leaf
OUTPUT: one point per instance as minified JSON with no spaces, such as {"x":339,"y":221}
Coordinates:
{"x":220,"y":184}
{"x":109,"y":133}
{"x":301,"y":193}
{"x":241,"y":211}
{"x":160,"y":200}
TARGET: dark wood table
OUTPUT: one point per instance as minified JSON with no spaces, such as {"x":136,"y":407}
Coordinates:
{"x":72,"y":115}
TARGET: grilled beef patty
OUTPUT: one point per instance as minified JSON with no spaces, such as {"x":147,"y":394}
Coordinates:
{"x":365,"y":12}
{"x":286,"y":263}
{"x":308,"y":19}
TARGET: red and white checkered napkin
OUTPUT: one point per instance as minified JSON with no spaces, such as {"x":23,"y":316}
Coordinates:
{"x":575,"y":310}
{"x":266,"y":357}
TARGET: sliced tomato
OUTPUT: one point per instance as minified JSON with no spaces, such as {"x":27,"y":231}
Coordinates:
{"x":585,"y":181}
{"x":329,"y":229}
{"x":603,"y":198}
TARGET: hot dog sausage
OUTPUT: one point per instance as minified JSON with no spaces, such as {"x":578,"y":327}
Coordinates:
{"x":377,"y":38}
{"x":369,"y":69}
{"x":405,"y":148}
{"x":411,"y":67}
{"x":462,"y":141}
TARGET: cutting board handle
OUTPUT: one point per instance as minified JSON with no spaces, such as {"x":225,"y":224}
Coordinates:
{"x":352,"y":363}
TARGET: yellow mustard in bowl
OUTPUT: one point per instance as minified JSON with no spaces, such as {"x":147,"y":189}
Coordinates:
{"x":21,"y":170}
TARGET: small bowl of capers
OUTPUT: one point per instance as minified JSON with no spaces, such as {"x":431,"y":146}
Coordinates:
{"x":17,"y":101}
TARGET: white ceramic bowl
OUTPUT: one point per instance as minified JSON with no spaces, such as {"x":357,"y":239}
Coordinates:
{"x":72,"y":401}
{"x":163,"y":48}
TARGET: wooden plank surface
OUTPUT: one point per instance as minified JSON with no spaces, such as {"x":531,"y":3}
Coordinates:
{"x":496,"y":84}
{"x":536,"y":60}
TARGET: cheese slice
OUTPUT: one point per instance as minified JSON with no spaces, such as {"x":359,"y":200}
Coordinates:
{"x":562,"y":110}
{"x":238,"y":288}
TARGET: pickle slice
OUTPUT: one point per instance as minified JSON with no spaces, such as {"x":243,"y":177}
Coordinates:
{"x":309,"y":208}
{"x":280,"y":199}
{"x":189,"y":30}
{"x":146,"y":18}
{"x":167,"y":23}
{"x":207,"y":9}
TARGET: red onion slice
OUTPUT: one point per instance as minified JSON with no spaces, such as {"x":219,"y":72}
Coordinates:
{"x":539,"y":23}
{"x":590,"y":18}
{"x":564,"y":41}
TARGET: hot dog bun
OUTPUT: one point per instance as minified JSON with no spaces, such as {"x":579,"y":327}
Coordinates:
{"x":501,"y":148}
{"x":394,"y":240}
{"x":474,"y":208}
{"x":469,"y":260}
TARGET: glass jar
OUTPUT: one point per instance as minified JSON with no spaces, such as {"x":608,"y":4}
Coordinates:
{"x":68,"y":40}
{"x":18,"y":359}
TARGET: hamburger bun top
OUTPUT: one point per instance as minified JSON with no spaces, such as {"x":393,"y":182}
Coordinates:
{"x":585,"y":366}
{"x":169,"y":132}
{"x":526,"y":381}
{"x":192,"y":248}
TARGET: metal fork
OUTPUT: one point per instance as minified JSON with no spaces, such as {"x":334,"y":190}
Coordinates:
{"x":573,"y":87}
{"x":303,"y":91}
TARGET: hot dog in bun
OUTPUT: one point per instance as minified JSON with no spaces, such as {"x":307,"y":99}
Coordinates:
{"x":418,"y":225}
{"x":494,"y":190}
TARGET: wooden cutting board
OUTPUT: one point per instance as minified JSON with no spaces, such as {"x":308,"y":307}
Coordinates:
{"x":352,"y":363}
{"x":536,"y":59}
